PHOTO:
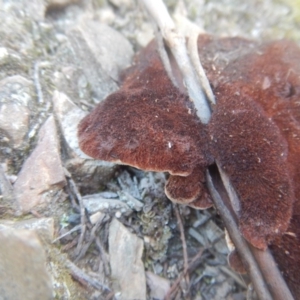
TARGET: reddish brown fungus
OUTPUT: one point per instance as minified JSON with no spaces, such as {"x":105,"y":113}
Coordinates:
{"x":254,"y":134}
{"x":267,"y":179}
{"x":189,"y":190}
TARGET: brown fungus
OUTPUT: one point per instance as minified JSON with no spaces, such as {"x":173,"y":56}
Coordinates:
{"x":149,"y":124}
{"x":254,"y":134}
{"x":260,"y":151}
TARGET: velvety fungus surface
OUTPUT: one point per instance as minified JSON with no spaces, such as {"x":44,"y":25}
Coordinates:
{"x":254,"y":134}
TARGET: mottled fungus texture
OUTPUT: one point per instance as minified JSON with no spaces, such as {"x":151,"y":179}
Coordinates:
{"x":149,"y":124}
{"x":189,"y":190}
{"x":254,"y":134}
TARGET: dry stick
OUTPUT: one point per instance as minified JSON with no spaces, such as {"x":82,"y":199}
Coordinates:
{"x":194,"y":55}
{"x":103,"y":255}
{"x":234,"y":276}
{"x":174,"y":287}
{"x":264,"y":259}
{"x":243,"y":249}
{"x":77,"y":227}
{"x":176,"y":43}
{"x":92,"y":238}
{"x":82,"y":215}
{"x":165,"y":58}
{"x":184,"y":248}
{"x":84,"y":278}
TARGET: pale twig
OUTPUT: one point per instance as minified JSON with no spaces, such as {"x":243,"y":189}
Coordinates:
{"x":78,"y":227}
{"x":165,"y":58}
{"x":234,"y":276}
{"x":84,"y":278}
{"x":194,"y":55}
{"x":176,"y":43}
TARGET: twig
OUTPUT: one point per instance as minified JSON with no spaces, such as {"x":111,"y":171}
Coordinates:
{"x":194,"y":55}
{"x":82,"y":215}
{"x":264,"y":259}
{"x":77,"y":227}
{"x":103,"y":256}
{"x":234,"y":276}
{"x":164,"y":57}
{"x":84,"y":278}
{"x":176,"y":43}
{"x":275,"y":281}
{"x":92,"y":238}
{"x":241,"y":245}
{"x":184,"y":247}
{"x":174,"y":286}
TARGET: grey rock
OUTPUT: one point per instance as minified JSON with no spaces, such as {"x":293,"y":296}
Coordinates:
{"x":127,"y":269}
{"x":60,"y":3}
{"x":43,"y":227}
{"x":35,"y":10}
{"x":16,"y":99}
{"x":101,"y":52}
{"x":6,"y":188}
{"x":23,"y":273}
{"x":120,"y":3}
{"x":159,"y":286}
{"x":68,"y":115}
{"x":94,"y":203}
{"x":90,"y":172}
{"x":42,"y":173}
{"x":12,"y":63}
{"x":111,"y":49}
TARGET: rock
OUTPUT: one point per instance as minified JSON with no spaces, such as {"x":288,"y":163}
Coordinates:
{"x":119,"y":3}
{"x":94,"y":203}
{"x":16,"y":99}
{"x":35,"y":10}
{"x":68,"y":115}
{"x":159,"y":286}
{"x":127,"y":269}
{"x":12,"y":63}
{"x":42,"y":173}
{"x":111,"y":49}
{"x":101,"y":52}
{"x":23,"y":273}
{"x":52,"y":4}
{"x":86,"y":171}
{"x":6,"y":189}
{"x":43,"y":227}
